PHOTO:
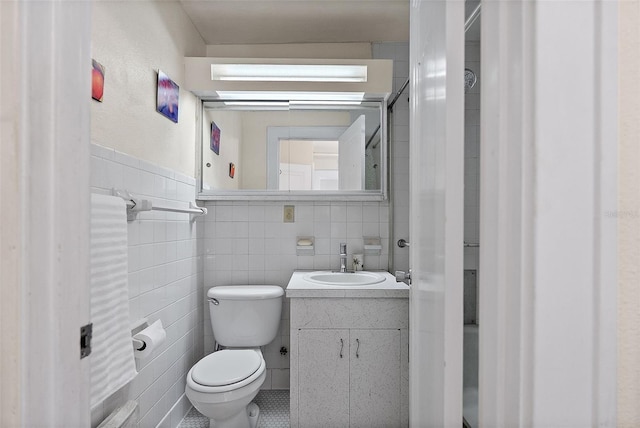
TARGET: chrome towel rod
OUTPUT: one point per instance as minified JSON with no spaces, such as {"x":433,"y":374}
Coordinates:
{"x":136,"y":205}
{"x":473,"y":17}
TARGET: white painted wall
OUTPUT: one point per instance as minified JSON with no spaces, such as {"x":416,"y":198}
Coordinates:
{"x":628,"y":216}
{"x":293,"y":50}
{"x":132,"y":40}
{"x":165,"y":282}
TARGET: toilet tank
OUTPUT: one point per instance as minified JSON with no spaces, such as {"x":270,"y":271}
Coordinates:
{"x":245,"y":315}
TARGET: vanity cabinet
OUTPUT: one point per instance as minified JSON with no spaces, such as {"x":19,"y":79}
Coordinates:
{"x":349,"y":378}
{"x":349,"y":362}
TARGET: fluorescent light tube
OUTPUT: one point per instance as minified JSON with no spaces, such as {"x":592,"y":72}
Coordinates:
{"x":258,"y":103}
{"x":290,"y":96}
{"x":289,"y":72}
{"x":325,"y":103}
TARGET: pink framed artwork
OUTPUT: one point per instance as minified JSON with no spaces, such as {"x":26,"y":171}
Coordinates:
{"x":97,"y":80}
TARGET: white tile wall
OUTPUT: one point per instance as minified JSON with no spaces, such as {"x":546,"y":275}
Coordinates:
{"x":472,"y":158}
{"x":166,"y":278}
{"x":248,"y":243}
{"x":399,"y":148}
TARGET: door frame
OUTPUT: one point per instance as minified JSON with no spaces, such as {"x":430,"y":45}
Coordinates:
{"x":44,"y":192}
{"x":548,"y":247}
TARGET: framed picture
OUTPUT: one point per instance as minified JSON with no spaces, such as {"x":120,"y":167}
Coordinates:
{"x":97,"y":80}
{"x":215,"y":138}
{"x":167,"y":97}
{"x":232,"y":169}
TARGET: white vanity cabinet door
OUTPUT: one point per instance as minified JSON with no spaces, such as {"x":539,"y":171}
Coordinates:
{"x":323,"y":378}
{"x":375,"y":376}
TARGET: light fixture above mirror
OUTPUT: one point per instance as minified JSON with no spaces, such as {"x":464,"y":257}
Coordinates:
{"x":289,"y":72}
{"x":207,"y":77}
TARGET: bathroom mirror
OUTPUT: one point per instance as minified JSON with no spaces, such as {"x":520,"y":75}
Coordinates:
{"x":302,"y":149}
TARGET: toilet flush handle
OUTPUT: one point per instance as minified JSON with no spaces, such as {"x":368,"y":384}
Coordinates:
{"x":214,"y":301}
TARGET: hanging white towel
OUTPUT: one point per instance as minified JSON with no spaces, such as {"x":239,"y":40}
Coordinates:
{"x":112,"y":361}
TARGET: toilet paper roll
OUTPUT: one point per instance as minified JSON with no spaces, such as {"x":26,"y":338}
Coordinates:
{"x":151,"y":337}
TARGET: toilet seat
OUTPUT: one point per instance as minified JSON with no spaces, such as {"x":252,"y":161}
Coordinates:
{"x":226,"y":367}
{"x":226,"y":370}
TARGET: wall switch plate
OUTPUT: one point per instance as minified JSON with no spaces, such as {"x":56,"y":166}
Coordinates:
{"x":289,"y":214}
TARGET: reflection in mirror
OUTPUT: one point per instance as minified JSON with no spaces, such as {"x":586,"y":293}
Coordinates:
{"x":292,"y":147}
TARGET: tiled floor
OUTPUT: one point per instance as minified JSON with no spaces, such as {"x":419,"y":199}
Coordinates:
{"x":274,"y":411}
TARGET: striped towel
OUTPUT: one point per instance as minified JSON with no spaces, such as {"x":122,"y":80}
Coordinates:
{"x":112,"y":361}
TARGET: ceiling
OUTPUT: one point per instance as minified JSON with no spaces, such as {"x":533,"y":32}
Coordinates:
{"x":299,"y":21}
{"x":304,"y":21}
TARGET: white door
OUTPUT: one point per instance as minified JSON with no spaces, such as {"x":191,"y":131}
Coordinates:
{"x":437,"y":175}
{"x":351,"y":156}
{"x":295,"y":176}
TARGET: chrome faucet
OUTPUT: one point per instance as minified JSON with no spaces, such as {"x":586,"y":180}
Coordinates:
{"x":343,"y":257}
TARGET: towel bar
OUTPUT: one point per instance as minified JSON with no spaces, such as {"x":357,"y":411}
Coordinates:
{"x":136,"y":205}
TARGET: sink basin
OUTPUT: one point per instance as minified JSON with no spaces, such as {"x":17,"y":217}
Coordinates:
{"x":344,"y":278}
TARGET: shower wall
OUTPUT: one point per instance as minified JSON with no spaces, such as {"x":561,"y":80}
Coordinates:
{"x":398,"y":151}
{"x":472,"y":158}
{"x":471,"y":184}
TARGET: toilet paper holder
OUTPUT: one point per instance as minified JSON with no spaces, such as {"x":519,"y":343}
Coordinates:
{"x":137,"y":327}
{"x":146,"y":337}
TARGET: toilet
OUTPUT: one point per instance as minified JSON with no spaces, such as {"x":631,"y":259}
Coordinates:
{"x":222,"y":384}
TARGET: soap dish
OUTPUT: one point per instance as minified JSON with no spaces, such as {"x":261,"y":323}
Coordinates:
{"x":305,"y":246}
{"x":372,"y":245}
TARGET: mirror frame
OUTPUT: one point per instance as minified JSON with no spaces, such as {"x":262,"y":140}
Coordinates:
{"x":273,"y":195}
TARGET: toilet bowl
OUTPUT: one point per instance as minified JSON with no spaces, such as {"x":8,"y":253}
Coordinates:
{"x":222,"y":384}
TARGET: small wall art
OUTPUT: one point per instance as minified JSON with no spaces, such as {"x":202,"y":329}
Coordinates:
{"x":215,"y":138}
{"x":167,"y":97}
{"x":232,"y":169}
{"x":97,"y":80}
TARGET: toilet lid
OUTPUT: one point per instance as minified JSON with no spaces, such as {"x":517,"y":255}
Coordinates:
{"x":226,"y":367}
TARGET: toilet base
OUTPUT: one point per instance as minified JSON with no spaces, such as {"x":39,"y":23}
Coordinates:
{"x":248,"y":419}
{"x":253,"y":411}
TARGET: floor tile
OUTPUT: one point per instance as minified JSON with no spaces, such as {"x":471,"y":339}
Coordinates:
{"x":274,"y":411}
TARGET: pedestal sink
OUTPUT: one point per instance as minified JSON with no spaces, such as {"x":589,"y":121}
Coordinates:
{"x":344,"y":278}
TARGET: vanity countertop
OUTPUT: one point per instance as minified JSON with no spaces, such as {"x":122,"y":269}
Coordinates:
{"x":298,"y":287}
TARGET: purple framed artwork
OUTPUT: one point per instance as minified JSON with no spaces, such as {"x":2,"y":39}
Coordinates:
{"x":167,"y":97}
{"x":215,"y":138}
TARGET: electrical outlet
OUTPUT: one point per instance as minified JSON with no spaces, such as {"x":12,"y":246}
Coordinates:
{"x":289,"y":214}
